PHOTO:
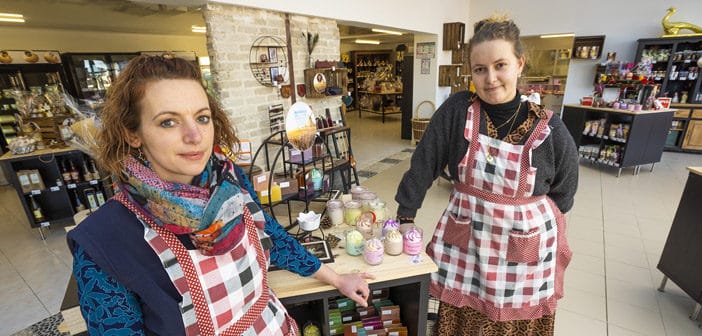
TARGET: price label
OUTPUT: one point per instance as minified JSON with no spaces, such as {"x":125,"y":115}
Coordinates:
{"x":55,"y":188}
{"x":44,"y":224}
{"x":71,"y":186}
{"x":36,"y":192}
{"x":93,"y":182}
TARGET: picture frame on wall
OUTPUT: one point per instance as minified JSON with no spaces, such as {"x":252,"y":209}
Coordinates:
{"x":274,"y":74}
{"x":272,"y":55}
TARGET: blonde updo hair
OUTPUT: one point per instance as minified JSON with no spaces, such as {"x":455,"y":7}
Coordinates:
{"x":496,"y":28}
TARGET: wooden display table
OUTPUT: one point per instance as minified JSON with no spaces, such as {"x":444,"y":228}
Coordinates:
{"x":682,"y":252}
{"x":307,"y":299}
{"x":407,"y":278}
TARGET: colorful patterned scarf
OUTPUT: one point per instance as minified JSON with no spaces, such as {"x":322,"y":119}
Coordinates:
{"x":208,"y":210}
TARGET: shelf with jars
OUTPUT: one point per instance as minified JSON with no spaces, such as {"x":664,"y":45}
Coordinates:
{"x":676,"y":63}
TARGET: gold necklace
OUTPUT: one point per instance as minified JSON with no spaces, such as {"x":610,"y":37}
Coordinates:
{"x":512,"y":118}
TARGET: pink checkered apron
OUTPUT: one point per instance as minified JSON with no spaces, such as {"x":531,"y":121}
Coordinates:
{"x":222,"y":295}
{"x":499,"y":249}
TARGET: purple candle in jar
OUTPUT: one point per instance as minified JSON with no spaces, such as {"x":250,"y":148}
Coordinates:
{"x":390,"y":224}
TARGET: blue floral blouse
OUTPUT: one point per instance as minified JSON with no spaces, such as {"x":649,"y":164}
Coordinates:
{"x":109,"y":308}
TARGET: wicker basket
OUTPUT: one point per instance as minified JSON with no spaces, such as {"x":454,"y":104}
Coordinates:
{"x":420,"y":124}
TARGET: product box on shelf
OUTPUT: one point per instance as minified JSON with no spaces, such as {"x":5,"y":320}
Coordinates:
{"x":35,"y":180}
{"x":261,"y":181}
{"x":288,"y":186}
{"x":23,"y":177}
{"x":275,"y":195}
{"x":296,"y":156}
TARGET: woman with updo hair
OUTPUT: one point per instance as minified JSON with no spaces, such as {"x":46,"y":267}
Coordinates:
{"x":500,"y":245}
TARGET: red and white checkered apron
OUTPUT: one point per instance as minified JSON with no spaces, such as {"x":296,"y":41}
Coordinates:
{"x":499,"y":249}
{"x":226,"y":294}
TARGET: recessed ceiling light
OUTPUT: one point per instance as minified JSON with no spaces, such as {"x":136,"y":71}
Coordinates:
{"x":198,"y":29}
{"x":11,"y":17}
{"x":557,"y":35}
{"x":391,"y":32}
{"x":367,"y":41}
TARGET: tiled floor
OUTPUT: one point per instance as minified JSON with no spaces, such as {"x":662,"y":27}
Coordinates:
{"x":617,"y":229}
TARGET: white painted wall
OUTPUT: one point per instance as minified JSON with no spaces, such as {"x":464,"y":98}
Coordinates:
{"x":622,"y":21}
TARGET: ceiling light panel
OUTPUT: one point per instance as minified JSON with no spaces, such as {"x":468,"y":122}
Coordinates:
{"x":11,"y":17}
{"x":360,"y":41}
{"x":391,"y":32}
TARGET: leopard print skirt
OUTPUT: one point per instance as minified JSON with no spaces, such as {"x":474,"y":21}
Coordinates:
{"x":466,"y":321}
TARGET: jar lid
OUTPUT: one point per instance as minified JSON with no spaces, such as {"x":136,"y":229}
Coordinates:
{"x":352,"y":204}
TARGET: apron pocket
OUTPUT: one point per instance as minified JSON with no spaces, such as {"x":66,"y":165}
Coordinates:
{"x":458,"y":231}
{"x":523,"y":247}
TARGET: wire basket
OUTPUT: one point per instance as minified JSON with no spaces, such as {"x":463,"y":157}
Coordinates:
{"x":420,"y":124}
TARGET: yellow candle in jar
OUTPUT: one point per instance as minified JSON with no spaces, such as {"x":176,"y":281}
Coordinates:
{"x":352,"y":209}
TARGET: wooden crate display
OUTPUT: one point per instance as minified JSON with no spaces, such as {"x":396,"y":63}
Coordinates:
{"x":454,"y":34}
{"x":49,"y":127}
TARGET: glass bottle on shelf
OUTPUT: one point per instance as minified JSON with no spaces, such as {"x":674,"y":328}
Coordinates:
{"x":87,"y":174}
{"x":79,"y":205}
{"x":65,"y":174}
{"x":36,"y":210}
{"x":75,"y":175}
{"x":93,"y":168}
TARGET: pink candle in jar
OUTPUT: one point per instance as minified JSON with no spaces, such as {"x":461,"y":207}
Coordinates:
{"x":373,"y":251}
{"x":412,"y":244}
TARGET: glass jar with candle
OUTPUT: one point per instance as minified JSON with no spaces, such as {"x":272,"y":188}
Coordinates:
{"x":364,"y":223}
{"x":335,"y":211}
{"x":366,"y":197}
{"x":412,"y":241}
{"x":352,"y":209}
{"x":393,"y":242}
{"x":356,"y":191}
{"x":373,"y":251}
{"x":354,"y":242}
{"x":377,"y":206}
{"x":390,"y":224}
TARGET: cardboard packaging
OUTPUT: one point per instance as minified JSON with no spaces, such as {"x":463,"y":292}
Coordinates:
{"x":35,"y":180}
{"x":275,"y":195}
{"x":23,"y":177}
{"x":288,"y":186}
{"x":296,"y":156}
{"x":261,"y":181}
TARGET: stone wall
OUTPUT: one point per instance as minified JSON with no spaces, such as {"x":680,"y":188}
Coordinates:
{"x":231,"y":30}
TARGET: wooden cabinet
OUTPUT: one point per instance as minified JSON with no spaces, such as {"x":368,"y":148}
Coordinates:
{"x":686,"y":129}
{"x":57,"y":198}
{"x":693,"y":136}
{"x":618,"y":138}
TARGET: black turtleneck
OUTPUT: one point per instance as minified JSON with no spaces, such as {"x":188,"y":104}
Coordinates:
{"x":499,"y":113}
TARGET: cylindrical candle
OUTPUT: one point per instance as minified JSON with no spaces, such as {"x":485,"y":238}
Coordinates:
{"x":373,"y":251}
{"x":393,"y":242}
{"x":413,"y":241}
{"x":335,"y":211}
{"x":352,"y":209}
{"x":354,"y":242}
{"x":356,"y":192}
{"x":390,"y":224}
{"x":364,"y":223}
{"x":378,"y":208}
{"x":366,"y":197}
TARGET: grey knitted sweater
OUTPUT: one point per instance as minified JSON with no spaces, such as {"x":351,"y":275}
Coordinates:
{"x":443,"y":145}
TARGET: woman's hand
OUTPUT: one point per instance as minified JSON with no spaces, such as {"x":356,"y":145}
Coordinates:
{"x":351,"y":285}
{"x":355,"y":287}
